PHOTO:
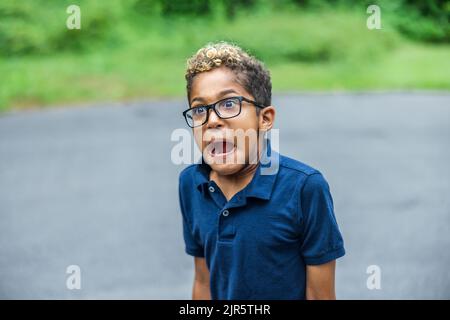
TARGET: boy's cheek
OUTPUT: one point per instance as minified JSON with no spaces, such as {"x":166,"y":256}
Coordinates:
{"x":198,"y":138}
{"x":200,"y":144}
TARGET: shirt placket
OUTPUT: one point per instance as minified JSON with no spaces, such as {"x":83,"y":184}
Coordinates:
{"x":226,"y":230}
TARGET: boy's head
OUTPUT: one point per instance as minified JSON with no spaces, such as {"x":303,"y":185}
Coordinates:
{"x":224,"y":73}
{"x":250,"y":73}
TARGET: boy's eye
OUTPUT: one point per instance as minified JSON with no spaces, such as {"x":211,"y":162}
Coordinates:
{"x":230,"y":103}
{"x":199,"y":110}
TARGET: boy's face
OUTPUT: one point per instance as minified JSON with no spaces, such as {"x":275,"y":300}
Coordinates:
{"x":217,"y":137}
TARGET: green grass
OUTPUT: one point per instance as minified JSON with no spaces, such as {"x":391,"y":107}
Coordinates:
{"x":409,"y":66}
{"x":142,"y":57}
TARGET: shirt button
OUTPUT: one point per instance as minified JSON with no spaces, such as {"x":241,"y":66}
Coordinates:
{"x":211,"y":189}
{"x":225,"y":213}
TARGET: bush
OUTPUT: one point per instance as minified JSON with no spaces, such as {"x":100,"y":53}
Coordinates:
{"x":426,"y":21}
{"x":39,"y":27}
{"x":417,"y":19}
{"x":192,"y":7}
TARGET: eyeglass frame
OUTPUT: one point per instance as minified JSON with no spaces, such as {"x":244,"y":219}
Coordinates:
{"x":213,"y":106}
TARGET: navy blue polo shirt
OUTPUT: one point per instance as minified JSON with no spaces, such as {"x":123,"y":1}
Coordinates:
{"x":257,"y":245}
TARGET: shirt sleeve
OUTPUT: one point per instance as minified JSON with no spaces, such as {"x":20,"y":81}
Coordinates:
{"x":321,"y":239}
{"x":192,"y":247}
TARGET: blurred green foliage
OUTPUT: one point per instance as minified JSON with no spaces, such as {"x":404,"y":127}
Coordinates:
{"x":28,"y":27}
{"x":137,"y":48}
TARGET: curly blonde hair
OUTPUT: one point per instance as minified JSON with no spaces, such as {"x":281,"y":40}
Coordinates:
{"x":250,"y":72}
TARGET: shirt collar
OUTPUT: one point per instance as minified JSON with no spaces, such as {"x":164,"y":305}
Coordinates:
{"x":262,"y":182}
{"x":202,"y":175}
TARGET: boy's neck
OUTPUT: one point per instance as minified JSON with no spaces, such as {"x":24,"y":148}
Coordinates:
{"x":232,"y":184}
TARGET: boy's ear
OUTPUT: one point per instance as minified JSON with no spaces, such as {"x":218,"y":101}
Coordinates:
{"x":266,"y":118}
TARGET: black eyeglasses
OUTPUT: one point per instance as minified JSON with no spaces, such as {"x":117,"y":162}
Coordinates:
{"x":225,"y":109}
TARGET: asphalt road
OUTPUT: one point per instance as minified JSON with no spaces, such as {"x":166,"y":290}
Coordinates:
{"x":95,"y":187}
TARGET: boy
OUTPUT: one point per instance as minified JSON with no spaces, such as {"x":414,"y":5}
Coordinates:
{"x":253,"y":235}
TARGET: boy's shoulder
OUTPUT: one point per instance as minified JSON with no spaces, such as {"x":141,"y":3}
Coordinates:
{"x":188,"y":172}
{"x":294,"y":173}
{"x":293,"y":166}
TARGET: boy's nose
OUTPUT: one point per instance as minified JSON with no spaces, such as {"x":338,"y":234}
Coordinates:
{"x":213,"y":120}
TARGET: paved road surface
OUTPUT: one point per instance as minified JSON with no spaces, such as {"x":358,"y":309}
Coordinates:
{"x":95,"y":187}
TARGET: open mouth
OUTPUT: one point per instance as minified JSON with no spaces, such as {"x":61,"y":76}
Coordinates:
{"x":221,"y":148}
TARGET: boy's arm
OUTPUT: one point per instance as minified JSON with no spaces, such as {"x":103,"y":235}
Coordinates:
{"x":201,"y":289}
{"x":320,"y":281}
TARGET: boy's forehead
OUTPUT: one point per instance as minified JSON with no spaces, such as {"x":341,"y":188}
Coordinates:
{"x":213,"y":84}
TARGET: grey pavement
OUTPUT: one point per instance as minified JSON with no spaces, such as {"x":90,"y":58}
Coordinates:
{"x":95,"y":187}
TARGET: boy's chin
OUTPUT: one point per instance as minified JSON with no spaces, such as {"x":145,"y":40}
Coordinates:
{"x":226,"y":168}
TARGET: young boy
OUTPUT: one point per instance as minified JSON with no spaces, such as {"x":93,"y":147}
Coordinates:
{"x":253,"y":235}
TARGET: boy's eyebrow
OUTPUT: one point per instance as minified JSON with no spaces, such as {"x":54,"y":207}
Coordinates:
{"x":219,"y":95}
